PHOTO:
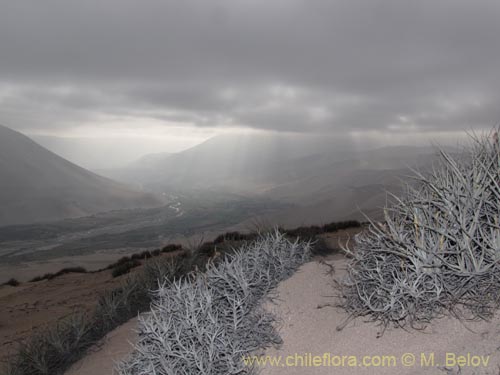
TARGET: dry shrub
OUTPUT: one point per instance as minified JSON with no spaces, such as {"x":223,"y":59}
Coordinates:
{"x":438,"y":250}
{"x":204,"y":323}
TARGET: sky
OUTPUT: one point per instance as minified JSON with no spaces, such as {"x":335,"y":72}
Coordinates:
{"x":163,"y":75}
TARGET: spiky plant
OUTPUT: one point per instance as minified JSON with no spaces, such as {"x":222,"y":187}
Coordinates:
{"x":438,"y":251}
{"x":206,"y":322}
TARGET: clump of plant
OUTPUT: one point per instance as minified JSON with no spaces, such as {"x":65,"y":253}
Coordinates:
{"x":234,"y":237}
{"x":171,"y":248}
{"x":12,"y":282}
{"x":124,"y":267}
{"x":205,"y":322}
{"x":438,"y":251}
{"x":64,"y":271}
{"x":313,"y":231}
{"x":53,"y":347}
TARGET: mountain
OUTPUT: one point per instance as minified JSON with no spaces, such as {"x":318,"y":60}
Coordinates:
{"x":99,"y":152}
{"x":38,"y":185}
{"x":324,"y":178}
{"x":243,"y":163}
{"x":344,"y":185}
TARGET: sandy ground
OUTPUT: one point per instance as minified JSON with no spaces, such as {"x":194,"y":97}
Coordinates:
{"x":311,"y":331}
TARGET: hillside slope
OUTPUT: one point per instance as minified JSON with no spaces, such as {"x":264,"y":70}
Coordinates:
{"x":37,"y":185}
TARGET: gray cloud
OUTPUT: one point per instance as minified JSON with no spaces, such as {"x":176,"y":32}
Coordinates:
{"x":284,"y":65}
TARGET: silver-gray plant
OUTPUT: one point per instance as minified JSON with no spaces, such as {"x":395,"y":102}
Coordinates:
{"x":438,"y":251}
{"x":206,"y":322}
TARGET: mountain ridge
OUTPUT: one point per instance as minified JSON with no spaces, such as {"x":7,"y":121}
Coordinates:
{"x":38,"y":185}
{"x":325,"y":179}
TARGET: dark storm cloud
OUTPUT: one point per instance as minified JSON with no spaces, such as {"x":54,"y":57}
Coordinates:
{"x":285,"y":65}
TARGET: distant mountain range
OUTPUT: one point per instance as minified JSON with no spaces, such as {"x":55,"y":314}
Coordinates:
{"x":233,"y":163}
{"x":323,"y":178}
{"x":38,"y":185}
{"x":318,"y":179}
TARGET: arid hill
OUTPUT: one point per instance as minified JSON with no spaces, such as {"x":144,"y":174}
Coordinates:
{"x":38,"y":185}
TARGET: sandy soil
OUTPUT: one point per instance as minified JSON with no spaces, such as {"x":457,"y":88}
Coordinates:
{"x":311,"y":331}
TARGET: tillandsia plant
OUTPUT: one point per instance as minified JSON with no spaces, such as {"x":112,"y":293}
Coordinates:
{"x":206,"y":322}
{"x":438,"y":250}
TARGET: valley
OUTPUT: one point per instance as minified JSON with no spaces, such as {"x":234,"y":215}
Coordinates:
{"x":226,"y":183}
{"x":129,"y":230}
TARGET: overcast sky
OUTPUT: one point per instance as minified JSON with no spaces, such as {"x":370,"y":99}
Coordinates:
{"x":185,"y":70}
